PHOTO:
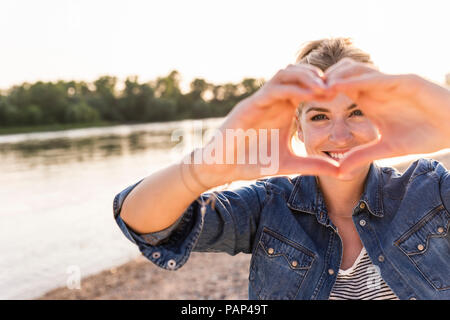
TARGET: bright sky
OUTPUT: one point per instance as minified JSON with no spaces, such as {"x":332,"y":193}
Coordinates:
{"x":219,"y":41}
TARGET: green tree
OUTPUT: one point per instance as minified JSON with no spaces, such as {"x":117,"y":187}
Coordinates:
{"x":198,"y":88}
{"x":168,"y":94}
{"x":50,"y":98}
{"x":9,"y":114}
{"x":168,"y":87}
{"x":81,"y":112}
{"x":193,"y":104}
{"x":159,"y":100}
{"x":250,"y":86}
{"x":103,"y":99}
{"x":136,"y":101}
{"x":162,"y":109}
{"x":32,"y":115}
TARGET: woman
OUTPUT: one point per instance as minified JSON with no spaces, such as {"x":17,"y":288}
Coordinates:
{"x":344,"y":228}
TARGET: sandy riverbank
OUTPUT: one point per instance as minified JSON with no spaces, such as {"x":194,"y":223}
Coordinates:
{"x":204,"y":276}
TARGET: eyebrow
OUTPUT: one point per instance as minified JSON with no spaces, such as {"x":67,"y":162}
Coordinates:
{"x":352,"y":106}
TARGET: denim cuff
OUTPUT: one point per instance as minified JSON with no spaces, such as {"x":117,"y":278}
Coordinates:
{"x":169,"y":248}
{"x":152,"y":238}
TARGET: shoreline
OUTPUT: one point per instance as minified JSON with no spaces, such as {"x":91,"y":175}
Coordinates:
{"x":205,"y":276}
{"x":139,"y":279}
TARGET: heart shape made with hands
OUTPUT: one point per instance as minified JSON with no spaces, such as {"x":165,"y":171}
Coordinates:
{"x":410,"y":114}
{"x":408,"y":122}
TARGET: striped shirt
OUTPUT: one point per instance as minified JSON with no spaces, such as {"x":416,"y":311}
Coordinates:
{"x":362,"y":281}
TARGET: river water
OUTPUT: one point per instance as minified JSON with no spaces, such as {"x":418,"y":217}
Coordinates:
{"x":56,"y":196}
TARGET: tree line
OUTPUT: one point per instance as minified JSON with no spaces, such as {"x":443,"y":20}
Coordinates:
{"x":72,"y":102}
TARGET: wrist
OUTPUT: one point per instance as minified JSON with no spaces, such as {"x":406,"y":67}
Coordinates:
{"x":213,"y":175}
{"x":202,"y":174}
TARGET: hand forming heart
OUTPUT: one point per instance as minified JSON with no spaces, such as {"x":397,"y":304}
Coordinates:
{"x":412,"y":115}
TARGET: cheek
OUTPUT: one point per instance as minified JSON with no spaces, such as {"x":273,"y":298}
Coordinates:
{"x":366,"y":131}
{"x":371,"y":133}
{"x":314,"y":137}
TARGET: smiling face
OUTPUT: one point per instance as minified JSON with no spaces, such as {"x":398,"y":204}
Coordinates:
{"x":334,"y":127}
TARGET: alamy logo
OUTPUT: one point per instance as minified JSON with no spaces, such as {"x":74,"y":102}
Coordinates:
{"x":249,"y":146}
{"x":74,"y":278}
{"x":374,"y":277}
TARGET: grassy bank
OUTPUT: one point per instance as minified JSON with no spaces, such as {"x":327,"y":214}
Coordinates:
{"x":53,"y":127}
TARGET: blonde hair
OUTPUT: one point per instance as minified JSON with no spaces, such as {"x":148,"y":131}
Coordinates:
{"x":324,"y":53}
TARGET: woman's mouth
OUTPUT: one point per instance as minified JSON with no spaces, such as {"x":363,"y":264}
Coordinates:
{"x":336,"y":155}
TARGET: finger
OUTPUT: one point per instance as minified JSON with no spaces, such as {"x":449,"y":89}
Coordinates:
{"x":347,"y":71}
{"x":312,"y":165}
{"x":317,"y":71}
{"x":301,"y":76}
{"x":326,"y":96}
{"x":348,"y":64}
{"x":289,"y":92}
{"x":345,"y":62}
{"x":365,"y":154}
{"x":364,"y":82}
{"x":373,"y":83}
{"x":341,"y":63}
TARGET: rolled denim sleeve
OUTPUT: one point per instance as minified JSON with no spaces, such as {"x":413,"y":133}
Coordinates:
{"x":153,"y":238}
{"x":228,"y":227}
{"x":444,"y":183}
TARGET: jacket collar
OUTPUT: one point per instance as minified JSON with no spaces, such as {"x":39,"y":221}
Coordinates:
{"x":306,"y":196}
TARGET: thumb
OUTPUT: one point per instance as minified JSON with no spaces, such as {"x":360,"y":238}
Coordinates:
{"x":311,"y":165}
{"x":364,"y":154}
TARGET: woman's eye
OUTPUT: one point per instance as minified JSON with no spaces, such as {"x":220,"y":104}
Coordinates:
{"x":357,"y":112}
{"x":318,"y":117}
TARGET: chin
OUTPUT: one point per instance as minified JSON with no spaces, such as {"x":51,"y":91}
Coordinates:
{"x":356,"y":173}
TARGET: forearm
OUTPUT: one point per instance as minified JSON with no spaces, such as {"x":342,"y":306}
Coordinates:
{"x":161,"y":198}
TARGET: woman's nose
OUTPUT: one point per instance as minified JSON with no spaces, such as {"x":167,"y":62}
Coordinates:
{"x":341,"y":134}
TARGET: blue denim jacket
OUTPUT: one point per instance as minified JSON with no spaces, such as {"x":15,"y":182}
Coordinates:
{"x":403,"y":221}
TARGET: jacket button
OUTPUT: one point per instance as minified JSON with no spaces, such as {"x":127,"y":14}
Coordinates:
{"x":381,"y":258}
{"x":330,"y":272}
{"x":441,"y":230}
{"x":412,"y":298}
{"x":156,"y":255}
{"x":362,"y":222}
{"x":420,"y":247}
{"x":294,"y":263}
{"x":171,"y":264}
{"x":270,"y":251}
{"x":362,"y":205}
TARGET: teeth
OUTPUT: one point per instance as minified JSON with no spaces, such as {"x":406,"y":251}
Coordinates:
{"x":337,"y":155}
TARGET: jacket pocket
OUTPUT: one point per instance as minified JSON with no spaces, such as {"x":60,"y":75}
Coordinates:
{"x":278,"y":266}
{"x":427,"y":245}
